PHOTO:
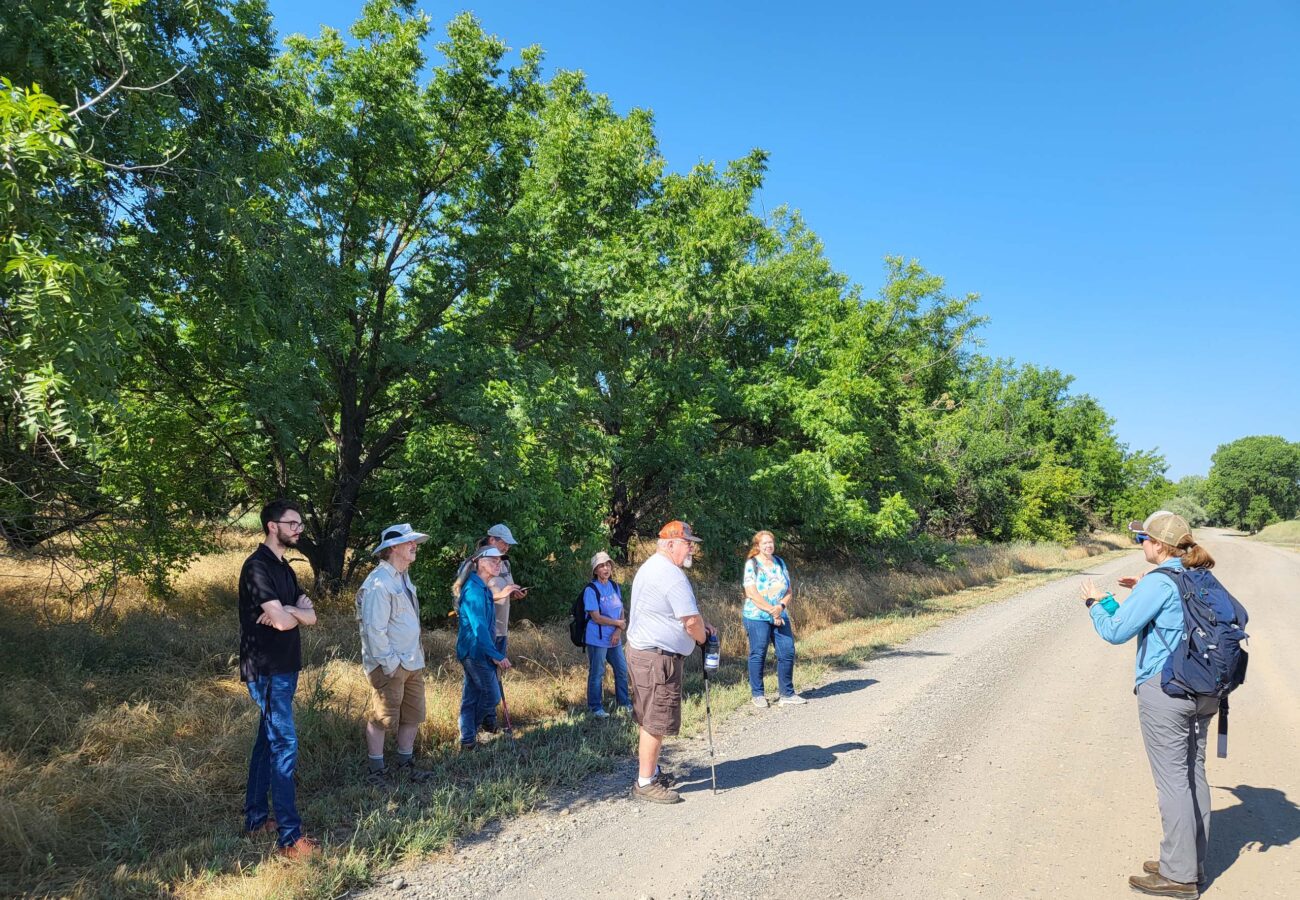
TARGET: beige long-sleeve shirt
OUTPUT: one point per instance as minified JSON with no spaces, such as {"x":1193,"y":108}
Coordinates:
{"x":389,"y":617}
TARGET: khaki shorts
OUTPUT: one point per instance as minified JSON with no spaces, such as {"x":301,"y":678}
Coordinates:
{"x":396,"y":699}
{"x":656,"y":690}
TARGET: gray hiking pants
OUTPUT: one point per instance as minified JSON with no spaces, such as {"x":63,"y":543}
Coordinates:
{"x":1174,"y":731}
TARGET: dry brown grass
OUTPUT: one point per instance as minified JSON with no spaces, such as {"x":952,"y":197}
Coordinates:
{"x":124,"y":743}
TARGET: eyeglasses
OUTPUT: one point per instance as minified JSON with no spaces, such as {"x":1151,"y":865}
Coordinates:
{"x":1141,"y":538}
{"x":292,"y":524}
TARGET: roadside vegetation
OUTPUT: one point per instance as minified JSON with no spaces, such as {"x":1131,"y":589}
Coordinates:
{"x":1287,"y":533}
{"x":123,"y":756}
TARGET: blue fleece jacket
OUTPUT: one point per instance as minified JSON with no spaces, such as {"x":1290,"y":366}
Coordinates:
{"x":477,"y":620}
{"x":1154,"y":600}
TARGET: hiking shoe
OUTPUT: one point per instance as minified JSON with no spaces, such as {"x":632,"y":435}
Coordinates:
{"x":792,"y":700}
{"x":760,"y":702}
{"x":419,"y":776}
{"x":470,"y":748}
{"x":1152,"y":867}
{"x":267,"y":827}
{"x":664,"y":778}
{"x":303,"y":848}
{"x":489,"y":728}
{"x":378,"y":779}
{"x":654,"y":792}
{"x":1160,"y":886}
{"x":600,"y":713}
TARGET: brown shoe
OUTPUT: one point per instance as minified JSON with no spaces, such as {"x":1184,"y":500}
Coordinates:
{"x":267,"y":827}
{"x":303,"y":848}
{"x":1160,"y":886}
{"x":665,"y":778}
{"x":654,"y":792}
{"x":1152,"y":867}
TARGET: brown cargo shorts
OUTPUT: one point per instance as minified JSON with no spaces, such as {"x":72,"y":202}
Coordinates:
{"x":396,"y":699}
{"x":656,"y":690}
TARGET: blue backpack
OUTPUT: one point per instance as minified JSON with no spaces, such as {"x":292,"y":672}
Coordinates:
{"x":1209,"y":661}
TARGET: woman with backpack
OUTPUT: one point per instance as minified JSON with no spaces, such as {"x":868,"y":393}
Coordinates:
{"x":768,"y":590}
{"x":1174,"y":728}
{"x":602,"y":601}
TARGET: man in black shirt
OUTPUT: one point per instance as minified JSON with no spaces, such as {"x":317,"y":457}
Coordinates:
{"x":271,"y":608}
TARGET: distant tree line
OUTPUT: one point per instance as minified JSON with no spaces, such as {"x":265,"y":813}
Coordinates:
{"x":429,"y":284}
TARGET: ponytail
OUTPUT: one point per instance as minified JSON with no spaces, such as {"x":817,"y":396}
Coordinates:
{"x":1194,"y":556}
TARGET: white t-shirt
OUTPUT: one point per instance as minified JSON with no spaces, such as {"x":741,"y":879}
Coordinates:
{"x":661,"y":598}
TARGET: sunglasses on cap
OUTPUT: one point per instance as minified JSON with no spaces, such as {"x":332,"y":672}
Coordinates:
{"x":1141,"y":538}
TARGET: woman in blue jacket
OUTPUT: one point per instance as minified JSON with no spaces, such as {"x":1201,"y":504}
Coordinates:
{"x":476,"y":648}
{"x":1174,"y":729}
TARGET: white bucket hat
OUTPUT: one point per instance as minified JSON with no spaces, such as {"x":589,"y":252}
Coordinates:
{"x":600,"y":559}
{"x":398,"y":534}
{"x":502,"y":532}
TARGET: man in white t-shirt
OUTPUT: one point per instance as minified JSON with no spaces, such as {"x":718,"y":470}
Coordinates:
{"x":663,"y":628}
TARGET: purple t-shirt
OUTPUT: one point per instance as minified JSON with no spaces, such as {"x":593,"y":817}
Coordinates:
{"x":609,"y":604}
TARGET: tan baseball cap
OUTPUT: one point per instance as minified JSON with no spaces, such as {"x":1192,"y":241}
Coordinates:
{"x":1166,"y":527}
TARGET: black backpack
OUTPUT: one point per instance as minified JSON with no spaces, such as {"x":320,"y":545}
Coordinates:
{"x":578,"y":614}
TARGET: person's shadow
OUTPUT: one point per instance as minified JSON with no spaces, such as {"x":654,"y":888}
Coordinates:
{"x":1264,"y":819}
{"x":740,"y":772}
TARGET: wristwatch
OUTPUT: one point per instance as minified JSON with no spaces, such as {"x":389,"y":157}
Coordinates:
{"x":1090,"y":601}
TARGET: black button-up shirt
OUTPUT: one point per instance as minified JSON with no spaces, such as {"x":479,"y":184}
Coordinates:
{"x":262,"y":649}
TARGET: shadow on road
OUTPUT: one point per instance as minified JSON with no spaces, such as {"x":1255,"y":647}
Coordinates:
{"x":1264,"y":819}
{"x":835,"y":688}
{"x":735,"y":773}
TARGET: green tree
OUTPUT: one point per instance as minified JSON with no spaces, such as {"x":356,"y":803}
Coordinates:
{"x":1254,"y":480}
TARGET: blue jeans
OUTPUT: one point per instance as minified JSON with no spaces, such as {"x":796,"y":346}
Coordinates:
{"x":596,"y":659}
{"x":760,"y":635}
{"x":275,"y":757}
{"x":479,"y":694}
{"x":490,"y":720}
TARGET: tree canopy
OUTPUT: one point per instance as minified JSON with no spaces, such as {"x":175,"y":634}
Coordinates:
{"x":401,"y":279}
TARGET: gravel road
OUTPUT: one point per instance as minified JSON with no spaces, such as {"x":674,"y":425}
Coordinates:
{"x":995,"y":756}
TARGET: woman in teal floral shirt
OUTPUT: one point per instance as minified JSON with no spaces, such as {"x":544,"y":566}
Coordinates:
{"x":768,"y":590}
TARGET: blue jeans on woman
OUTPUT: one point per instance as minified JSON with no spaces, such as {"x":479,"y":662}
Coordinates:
{"x":275,"y":757}
{"x":479,"y":695}
{"x":596,"y":659}
{"x":490,"y":720}
{"x":761,"y":634}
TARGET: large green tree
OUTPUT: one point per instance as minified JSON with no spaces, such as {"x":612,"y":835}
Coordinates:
{"x":1254,"y":481}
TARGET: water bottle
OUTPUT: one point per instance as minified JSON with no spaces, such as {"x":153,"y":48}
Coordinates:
{"x":712,"y":652}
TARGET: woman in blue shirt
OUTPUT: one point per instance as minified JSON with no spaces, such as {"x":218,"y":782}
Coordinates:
{"x":1174,"y":729}
{"x":603,"y":601}
{"x":476,"y":646}
{"x":768,"y":590}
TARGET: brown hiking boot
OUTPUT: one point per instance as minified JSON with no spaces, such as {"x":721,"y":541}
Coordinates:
{"x":303,"y":848}
{"x":1152,"y":867}
{"x":665,"y":778}
{"x":654,"y":792}
{"x":1160,"y":886}
{"x":267,"y":827}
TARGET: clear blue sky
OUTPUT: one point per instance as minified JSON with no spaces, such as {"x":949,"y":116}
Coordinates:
{"x":1119,"y":181}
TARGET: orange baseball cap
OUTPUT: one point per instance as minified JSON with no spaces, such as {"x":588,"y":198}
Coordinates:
{"x":678,"y":530}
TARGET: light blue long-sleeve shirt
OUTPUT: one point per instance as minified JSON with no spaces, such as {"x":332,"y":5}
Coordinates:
{"x":477,"y":621}
{"x":1154,"y":599}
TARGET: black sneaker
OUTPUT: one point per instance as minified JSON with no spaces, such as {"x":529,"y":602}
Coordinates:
{"x":408,"y":769}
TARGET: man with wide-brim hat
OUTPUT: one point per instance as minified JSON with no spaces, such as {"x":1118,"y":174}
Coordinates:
{"x":388,"y":613}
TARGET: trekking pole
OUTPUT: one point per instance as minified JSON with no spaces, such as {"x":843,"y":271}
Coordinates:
{"x":505,"y":708}
{"x":710,"y":654}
